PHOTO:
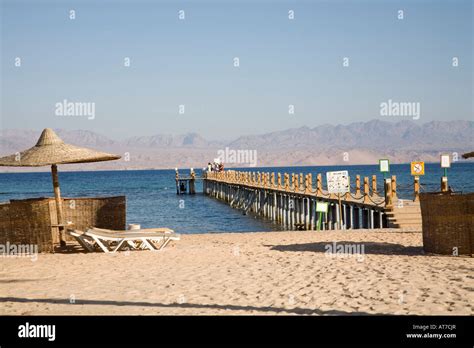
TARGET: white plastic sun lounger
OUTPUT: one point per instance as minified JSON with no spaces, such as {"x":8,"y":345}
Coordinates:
{"x":142,"y":230}
{"x":161,"y":234}
{"x":79,"y":236}
{"x":112,"y":241}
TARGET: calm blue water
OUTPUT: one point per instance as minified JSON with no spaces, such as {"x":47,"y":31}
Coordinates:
{"x":152,"y":199}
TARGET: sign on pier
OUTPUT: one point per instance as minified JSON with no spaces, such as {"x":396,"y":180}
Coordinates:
{"x":417,"y":168}
{"x":445,"y":161}
{"x":384,"y":165}
{"x":322,"y":207}
{"x":338,"y":182}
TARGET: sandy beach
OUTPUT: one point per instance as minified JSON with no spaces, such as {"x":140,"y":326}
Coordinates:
{"x":245,"y":273}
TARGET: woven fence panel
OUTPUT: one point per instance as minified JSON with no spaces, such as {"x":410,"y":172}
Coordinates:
{"x":448,"y":223}
{"x":5,"y":223}
{"x":102,"y":212}
{"x":31,"y":223}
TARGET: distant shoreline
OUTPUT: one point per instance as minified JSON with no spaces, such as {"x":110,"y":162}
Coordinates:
{"x":63,"y":168}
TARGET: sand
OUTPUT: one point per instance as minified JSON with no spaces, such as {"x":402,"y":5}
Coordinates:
{"x":245,"y":273}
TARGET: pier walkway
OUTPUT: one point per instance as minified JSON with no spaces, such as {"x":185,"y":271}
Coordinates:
{"x":295,"y":202}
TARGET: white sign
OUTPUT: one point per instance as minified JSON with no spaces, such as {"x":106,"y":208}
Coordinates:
{"x":384,"y":166}
{"x":338,"y":182}
{"x":321,"y":207}
{"x":445,"y":161}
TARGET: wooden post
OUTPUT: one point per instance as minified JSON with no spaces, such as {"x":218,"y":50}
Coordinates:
{"x":309,"y":184}
{"x":176,"y":176}
{"x":272,"y":180}
{"x":347,"y":195}
{"x":416,"y":186}
{"x":366,"y":189}
{"x":319,"y":184}
{"x":59,"y":205}
{"x":444,"y":184}
{"x":287,"y":181}
{"x":357,"y":185}
{"x":388,"y":193}
{"x":374,"y":184}
{"x":294,"y":181}
{"x":192,"y":187}
{"x":394,"y":188}
{"x":279,"y":181}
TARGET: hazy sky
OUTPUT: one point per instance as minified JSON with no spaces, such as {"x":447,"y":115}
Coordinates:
{"x":191,"y":62}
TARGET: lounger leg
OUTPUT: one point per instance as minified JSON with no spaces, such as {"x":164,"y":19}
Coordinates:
{"x":119,"y":245}
{"x":157,"y":245}
{"x":165,"y":243}
{"x":86,"y":244}
{"x":161,"y":245}
{"x":132,"y":244}
{"x":81,"y":240}
{"x":147,"y":244}
{"x":101,"y":245}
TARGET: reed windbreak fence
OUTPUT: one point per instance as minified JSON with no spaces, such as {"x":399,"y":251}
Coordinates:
{"x":34,"y":221}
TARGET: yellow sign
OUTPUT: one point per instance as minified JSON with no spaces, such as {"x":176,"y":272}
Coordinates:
{"x":417,"y":168}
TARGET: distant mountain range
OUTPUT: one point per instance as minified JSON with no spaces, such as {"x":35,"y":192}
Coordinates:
{"x":355,"y":143}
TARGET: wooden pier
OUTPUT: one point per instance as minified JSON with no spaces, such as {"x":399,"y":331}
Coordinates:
{"x":292,"y":203}
{"x":186,"y":184}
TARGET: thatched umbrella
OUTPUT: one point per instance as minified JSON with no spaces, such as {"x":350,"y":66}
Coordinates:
{"x":468,"y":155}
{"x":51,"y":150}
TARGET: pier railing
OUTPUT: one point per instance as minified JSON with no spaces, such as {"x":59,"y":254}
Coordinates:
{"x":291,"y":199}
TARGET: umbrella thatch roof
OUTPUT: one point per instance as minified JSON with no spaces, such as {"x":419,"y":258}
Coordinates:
{"x":50,"y":149}
{"x":468,"y":155}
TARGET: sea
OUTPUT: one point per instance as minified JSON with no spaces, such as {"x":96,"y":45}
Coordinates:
{"x":152,"y":200}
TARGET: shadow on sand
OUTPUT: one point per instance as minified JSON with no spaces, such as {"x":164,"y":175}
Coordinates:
{"x":273,"y":310}
{"x":369,"y":248}
{"x":70,"y":248}
{"x":11,"y":281}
